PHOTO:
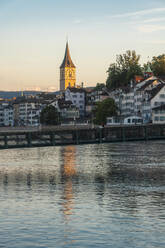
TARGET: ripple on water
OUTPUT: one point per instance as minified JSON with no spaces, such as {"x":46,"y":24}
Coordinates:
{"x":102,"y":195}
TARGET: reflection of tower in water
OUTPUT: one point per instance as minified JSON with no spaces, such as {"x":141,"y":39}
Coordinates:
{"x":68,"y":172}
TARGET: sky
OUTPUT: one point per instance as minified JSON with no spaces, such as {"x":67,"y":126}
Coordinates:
{"x":33,"y":36}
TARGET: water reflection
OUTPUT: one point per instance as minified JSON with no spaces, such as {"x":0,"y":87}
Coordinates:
{"x":83,"y":196}
{"x":131,"y":163}
{"x":68,"y":171}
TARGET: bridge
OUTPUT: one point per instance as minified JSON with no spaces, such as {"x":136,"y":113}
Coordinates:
{"x":19,"y":137}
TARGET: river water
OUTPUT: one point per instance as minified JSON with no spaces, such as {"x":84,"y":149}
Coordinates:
{"x":99,"y":195}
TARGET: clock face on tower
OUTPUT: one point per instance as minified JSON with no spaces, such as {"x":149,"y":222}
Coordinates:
{"x":70,"y":73}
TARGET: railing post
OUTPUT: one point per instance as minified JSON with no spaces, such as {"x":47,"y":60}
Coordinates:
{"x":29,"y":139}
{"x":77,"y":137}
{"x":5,"y":141}
{"x":100,"y":135}
{"x":17,"y":140}
{"x":145,"y":133}
{"x":123,"y":134}
{"x":52,"y":139}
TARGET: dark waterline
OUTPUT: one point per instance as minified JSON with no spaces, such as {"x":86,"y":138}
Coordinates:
{"x":100,"y":195}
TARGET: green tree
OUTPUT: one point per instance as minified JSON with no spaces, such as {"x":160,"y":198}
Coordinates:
{"x":126,"y":67}
{"x":49,"y":116}
{"x":104,"y":109}
{"x":146,"y":65}
{"x":158,"y":65}
{"x":99,"y":86}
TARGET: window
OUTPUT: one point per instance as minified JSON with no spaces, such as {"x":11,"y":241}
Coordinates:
{"x":162,"y":96}
{"x":156,"y":118}
{"x":74,"y":96}
{"x":162,"y":118}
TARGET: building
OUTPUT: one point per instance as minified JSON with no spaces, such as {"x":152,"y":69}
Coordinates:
{"x":148,"y":72}
{"x":139,"y":99}
{"x":68,"y":112}
{"x":158,"y":114}
{"x":8,"y":116}
{"x":148,"y":96}
{"x":77,"y":97}
{"x":27,"y":111}
{"x":6,"y":113}
{"x":67,"y":71}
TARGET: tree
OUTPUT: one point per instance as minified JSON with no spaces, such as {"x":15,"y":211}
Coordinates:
{"x":158,"y":65}
{"x":104,"y":109}
{"x":49,"y":116}
{"x":124,"y":70}
{"x":99,"y":86}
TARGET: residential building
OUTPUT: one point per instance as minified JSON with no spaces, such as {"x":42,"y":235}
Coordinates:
{"x":27,"y":111}
{"x":6,"y":113}
{"x":140,"y":98}
{"x":77,"y":97}
{"x":158,"y":114}
{"x":67,"y":110}
{"x":8,"y":116}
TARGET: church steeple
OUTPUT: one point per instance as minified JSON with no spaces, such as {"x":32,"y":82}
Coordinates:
{"x":148,"y":72}
{"x":67,"y":71}
{"x":67,"y":62}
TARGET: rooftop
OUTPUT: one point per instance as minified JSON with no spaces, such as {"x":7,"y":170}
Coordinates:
{"x":67,"y":61}
{"x":76,"y":90}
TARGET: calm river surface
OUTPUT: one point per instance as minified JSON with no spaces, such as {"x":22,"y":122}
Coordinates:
{"x":103,"y":195}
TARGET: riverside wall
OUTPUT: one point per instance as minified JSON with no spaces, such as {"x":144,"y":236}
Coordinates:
{"x":79,"y":134}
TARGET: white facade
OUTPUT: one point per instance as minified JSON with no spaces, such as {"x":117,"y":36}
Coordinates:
{"x":27,"y":112}
{"x":140,"y":99}
{"x":125,"y":101}
{"x":127,"y":105}
{"x":33,"y":117}
{"x":6,"y":114}
{"x":66,"y":109}
{"x":158,"y":115}
{"x":77,"y":97}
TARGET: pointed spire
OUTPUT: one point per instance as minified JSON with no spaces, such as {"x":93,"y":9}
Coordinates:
{"x":148,"y":70}
{"x":67,"y":62}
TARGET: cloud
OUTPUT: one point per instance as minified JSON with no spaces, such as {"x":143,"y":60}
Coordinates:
{"x":150,"y":28}
{"x":159,"y":19}
{"x":157,"y":42}
{"x":77,"y":21}
{"x":139,"y":13}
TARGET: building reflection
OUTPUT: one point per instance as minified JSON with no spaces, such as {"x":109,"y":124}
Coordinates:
{"x":68,"y":172}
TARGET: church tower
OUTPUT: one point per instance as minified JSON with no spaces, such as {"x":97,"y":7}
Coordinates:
{"x":148,"y":72}
{"x":67,"y":71}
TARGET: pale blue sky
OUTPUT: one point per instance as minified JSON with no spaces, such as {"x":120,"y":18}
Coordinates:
{"x":33,"y":36}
